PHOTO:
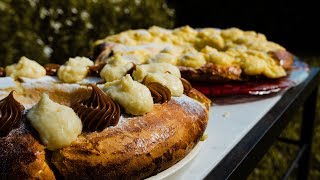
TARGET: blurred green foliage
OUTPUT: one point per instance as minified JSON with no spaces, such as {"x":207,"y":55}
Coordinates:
{"x":52,"y":31}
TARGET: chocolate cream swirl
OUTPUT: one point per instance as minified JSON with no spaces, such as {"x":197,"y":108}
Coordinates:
{"x":159,"y":92}
{"x":98,"y":111}
{"x":186,"y":85}
{"x":10,"y":114}
{"x":96,"y":69}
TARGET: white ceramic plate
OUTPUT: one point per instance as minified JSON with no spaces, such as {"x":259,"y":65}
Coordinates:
{"x":178,"y":165}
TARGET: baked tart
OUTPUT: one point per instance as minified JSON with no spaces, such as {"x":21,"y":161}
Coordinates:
{"x":206,"y":56}
{"x":60,"y":121}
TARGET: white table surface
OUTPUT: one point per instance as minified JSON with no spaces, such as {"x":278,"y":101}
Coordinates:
{"x":227,"y":125}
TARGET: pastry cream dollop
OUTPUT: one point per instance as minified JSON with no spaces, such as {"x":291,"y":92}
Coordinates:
{"x":186,"y":34}
{"x":258,"y":63}
{"x":142,"y":70}
{"x":210,"y":37}
{"x":136,"y":54}
{"x":75,"y":69}
{"x":57,"y":125}
{"x":163,"y":57}
{"x":192,"y":58}
{"x":164,"y":73}
{"x":172,"y":82}
{"x":217,"y":57}
{"x":133,"y":96}
{"x":25,"y":68}
{"x":115,"y":69}
{"x":189,"y":47}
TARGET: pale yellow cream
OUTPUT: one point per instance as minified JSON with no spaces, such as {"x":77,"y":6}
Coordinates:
{"x":25,"y":68}
{"x":192,"y":58}
{"x":164,"y":57}
{"x":163,"y":73}
{"x":136,"y":55}
{"x":217,"y":57}
{"x":188,"y":47}
{"x":115,"y":69}
{"x":57,"y":125}
{"x":134,"y":97}
{"x":258,"y":63}
{"x":75,"y":69}
{"x":210,"y":37}
{"x":142,"y":70}
{"x":172,"y":82}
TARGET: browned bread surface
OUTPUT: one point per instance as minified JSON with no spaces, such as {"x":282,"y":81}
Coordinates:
{"x":23,"y":157}
{"x":138,"y":147}
{"x":211,"y":73}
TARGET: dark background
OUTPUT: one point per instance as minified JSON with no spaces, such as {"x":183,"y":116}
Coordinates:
{"x":293,"y":24}
{"x":52,"y":31}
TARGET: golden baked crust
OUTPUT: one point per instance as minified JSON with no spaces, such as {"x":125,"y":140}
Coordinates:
{"x":23,"y":157}
{"x":29,"y":95}
{"x":197,"y":95}
{"x":212,"y":73}
{"x":205,"y":55}
{"x":138,"y":147}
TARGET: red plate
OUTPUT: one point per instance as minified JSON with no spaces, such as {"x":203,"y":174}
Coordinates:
{"x":255,"y":88}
